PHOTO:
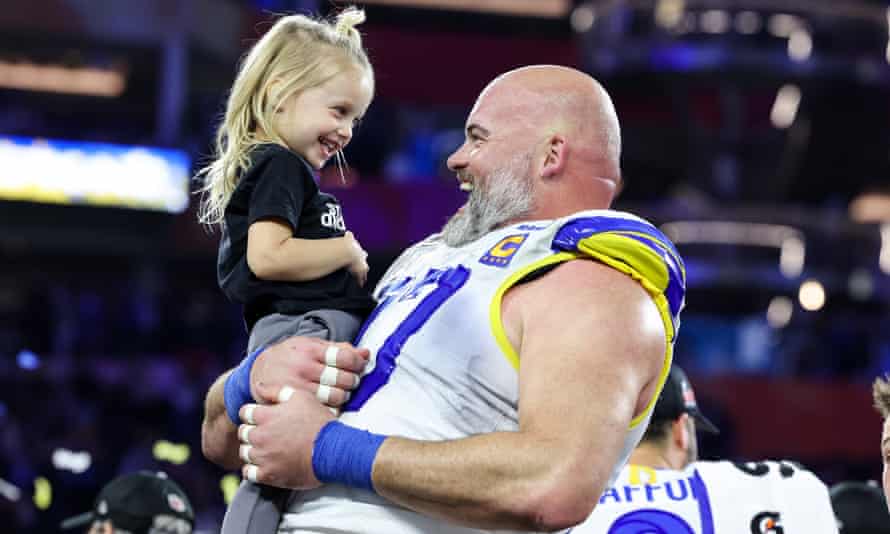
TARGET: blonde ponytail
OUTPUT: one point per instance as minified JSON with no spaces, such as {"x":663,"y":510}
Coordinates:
{"x":299,"y":53}
{"x":346,"y":22}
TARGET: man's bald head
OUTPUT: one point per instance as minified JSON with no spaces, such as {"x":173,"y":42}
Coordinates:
{"x":556,"y":99}
{"x":541,"y":142}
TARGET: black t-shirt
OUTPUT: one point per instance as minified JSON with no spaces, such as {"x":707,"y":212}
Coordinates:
{"x":280,"y":185}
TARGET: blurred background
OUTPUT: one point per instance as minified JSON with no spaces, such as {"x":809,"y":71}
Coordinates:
{"x":756,"y":134}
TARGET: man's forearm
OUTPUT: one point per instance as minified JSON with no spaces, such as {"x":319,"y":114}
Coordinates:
{"x":219,"y":436}
{"x":501,"y":480}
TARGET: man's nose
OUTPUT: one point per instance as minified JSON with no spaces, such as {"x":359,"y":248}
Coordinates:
{"x":457,"y":160}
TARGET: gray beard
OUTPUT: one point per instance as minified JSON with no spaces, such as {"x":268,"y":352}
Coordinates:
{"x":508,"y":196}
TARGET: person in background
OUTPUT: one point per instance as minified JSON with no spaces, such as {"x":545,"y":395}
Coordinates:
{"x":138,"y":503}
{"x":881,"y":395}
{"x":665,"y":488}
{"x":859,"y":508}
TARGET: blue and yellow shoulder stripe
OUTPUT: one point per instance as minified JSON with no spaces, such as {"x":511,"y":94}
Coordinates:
{"x":635,"y":247}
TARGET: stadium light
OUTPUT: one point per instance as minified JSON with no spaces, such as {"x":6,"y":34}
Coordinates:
{"x":43,"y":493}
{"x":714,"y":21}
{"x":175,"y":453}
{"x":748,"y":22}
{"x":779,"y":311}
{"x":89,"y":81}
{"x":800,"y":45}
{"x":669,"y":13}
{"x":229,"y":485}
{"x":525,"y":8}
{"x":811,"y":295}
{"x":785,"y":107}
{"x":10,"y":491}
{"x":67,"y":460}
{"x":792,"y":254}
{"x":102,"y":174}
{"x":781,"y":25}
{"x":582,"y":18}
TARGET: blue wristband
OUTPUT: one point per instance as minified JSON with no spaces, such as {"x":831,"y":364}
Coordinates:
{"x":345,"y":455}
{"x":236,"y":392}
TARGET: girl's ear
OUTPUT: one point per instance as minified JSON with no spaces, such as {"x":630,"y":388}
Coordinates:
{"x":273,"y":95}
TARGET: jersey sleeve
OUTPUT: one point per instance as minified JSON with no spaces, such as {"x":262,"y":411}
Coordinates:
{"x":280,"y":190}
{"x":807,"y":504}
{"x":636,"y":248}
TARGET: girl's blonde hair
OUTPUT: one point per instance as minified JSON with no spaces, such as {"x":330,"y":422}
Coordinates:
{"x":297,"y":53}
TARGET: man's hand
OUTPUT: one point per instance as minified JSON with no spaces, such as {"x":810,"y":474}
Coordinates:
{"x":277,"y":440}
{"x":304,"y":364}
{"x":324,"y":369}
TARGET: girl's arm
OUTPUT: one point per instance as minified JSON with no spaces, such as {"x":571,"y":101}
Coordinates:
{"x":274,"y":254}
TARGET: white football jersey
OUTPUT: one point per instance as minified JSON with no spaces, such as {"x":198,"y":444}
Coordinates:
{"x":714,"y":497}
{"x":441,"y":367}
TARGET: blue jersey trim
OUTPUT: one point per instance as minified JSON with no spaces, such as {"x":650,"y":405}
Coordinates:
{"x":674,"y":291}
{"x":572,"y":232}
{"x":704,"y":503}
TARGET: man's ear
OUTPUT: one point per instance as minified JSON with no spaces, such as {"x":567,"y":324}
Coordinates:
{"x":680,"y":432}
{"x":555,"y":156}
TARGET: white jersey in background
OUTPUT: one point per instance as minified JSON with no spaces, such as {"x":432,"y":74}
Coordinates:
{"x":441,"y":367}
{"x":714,"y":498}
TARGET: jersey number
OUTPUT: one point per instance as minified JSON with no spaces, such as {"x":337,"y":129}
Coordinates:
{"x":447,"y":285}
{"x":759,"y":469}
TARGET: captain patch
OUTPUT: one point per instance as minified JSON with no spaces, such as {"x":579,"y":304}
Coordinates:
{"x":501,"y":254}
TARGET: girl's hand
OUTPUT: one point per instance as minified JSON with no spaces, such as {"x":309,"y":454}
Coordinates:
{"x":359,"y":264}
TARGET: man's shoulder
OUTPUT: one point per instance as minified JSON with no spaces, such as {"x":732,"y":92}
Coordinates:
{"x":730,"y":474}
{"x":631,"y":245}
{"x":782,"y":473}
{"x":572,"y":231}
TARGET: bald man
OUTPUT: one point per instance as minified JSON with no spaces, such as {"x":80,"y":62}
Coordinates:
{"x":514,"y":358}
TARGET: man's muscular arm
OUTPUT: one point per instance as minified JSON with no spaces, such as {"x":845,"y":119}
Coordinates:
{"x":219,"y":439}
{"x":591,"y":344}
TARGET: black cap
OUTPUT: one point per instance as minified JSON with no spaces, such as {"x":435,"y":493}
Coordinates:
{"x":860,"y":508}
{"x":136,"y":502}
{"x":678,"y":398}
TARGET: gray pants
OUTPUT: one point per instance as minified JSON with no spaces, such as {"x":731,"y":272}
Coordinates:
{"x":257,"y":508}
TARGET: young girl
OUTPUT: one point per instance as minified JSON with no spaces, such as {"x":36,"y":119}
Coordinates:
{"x":284,"y":252}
